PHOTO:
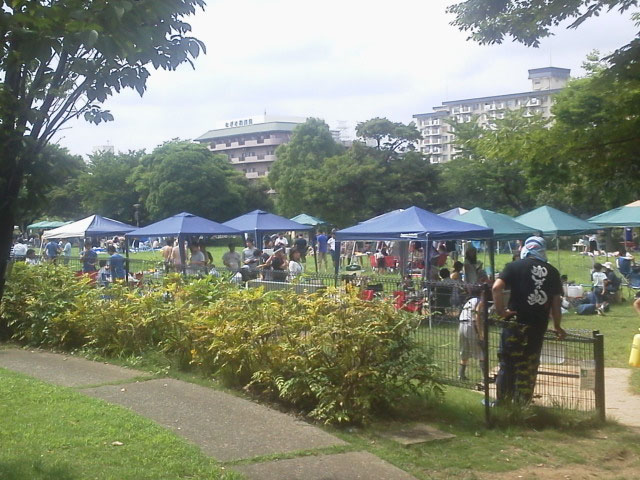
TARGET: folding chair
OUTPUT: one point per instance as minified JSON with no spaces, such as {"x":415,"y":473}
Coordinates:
{"x":633,"y":282}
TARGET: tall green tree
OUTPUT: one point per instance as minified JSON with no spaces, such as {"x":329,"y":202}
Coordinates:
{"x":294,"y":174}
{"x":490,"y":168}
{"x":184,"y":176}
{"x":62,"y":59}
{"x":594,"y":142}
{"x":392,"y":138}
{"x":50,"y":186}
{"x":106,"y":188}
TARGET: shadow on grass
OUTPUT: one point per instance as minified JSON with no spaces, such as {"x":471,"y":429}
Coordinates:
{"x":29,"y":469}
{"x":463,"y":410}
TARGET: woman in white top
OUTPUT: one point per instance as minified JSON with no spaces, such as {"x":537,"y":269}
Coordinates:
{"x":295,"y":267}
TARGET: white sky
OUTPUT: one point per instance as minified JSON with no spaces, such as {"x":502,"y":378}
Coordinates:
{"x":341,"y":60}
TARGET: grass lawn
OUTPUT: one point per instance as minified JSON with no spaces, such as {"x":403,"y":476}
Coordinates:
{"x":50,"y":432}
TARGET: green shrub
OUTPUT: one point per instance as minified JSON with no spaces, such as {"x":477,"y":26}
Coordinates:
{"x":332,"y":356}
{"x":34,"y":300}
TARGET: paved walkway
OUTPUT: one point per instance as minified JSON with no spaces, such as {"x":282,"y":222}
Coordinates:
{"x":621,"y":404}
{"x":227,"y":427}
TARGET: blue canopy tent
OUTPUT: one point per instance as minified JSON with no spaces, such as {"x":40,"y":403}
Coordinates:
{"x":414,"y":223}
{"x":260,"y":222}
{"x":181,"y":226}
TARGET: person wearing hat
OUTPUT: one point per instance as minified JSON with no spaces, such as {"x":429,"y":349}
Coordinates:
{"x":536,"y":294}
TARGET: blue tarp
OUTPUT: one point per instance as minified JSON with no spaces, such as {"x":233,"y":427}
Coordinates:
{"x":413,"y":223}
{"x":183,"y":224}
{"x":260,"y":222}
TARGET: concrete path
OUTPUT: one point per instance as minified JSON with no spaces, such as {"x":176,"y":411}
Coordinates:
{"x":621,"y":404}
{"x":226,"y":427}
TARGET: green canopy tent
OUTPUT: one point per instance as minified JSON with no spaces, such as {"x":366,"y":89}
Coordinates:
{"x":46,"y":225}
{"x":625,"y":216}
{"x":504,"y":227}
{"x":551,"y":221}
{"x":305,"y":219}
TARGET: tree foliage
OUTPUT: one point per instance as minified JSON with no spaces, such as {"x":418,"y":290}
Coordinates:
{"x":50,"y":187}
{"x":106,"y":188}
{"x":62,"y":59}
{"x":393,"y":138}
{"x":315,"y":175}
{"x":490,"y":169}
{"x":294,"y":173}
{"x":184,"y":176}
{"x":527,"y":21}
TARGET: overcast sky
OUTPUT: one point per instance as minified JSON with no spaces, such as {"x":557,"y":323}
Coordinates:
{"x":341,"y":60}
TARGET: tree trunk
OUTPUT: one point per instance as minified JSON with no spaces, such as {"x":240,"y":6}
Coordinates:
{"x":12,"y":171}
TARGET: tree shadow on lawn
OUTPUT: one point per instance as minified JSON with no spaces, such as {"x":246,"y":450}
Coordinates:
{"x":463,"y":411}
{"x":30,"y":469}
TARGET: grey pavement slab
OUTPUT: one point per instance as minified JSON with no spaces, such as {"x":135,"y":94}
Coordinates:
{"x":418,"y":433}
{"x":64,"y":370}
{"x":224,"y":426}
{"x":342,"y":466}
{"x":620,"y":403}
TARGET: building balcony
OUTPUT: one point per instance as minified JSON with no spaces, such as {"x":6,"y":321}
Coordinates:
{"x":220,"y":147}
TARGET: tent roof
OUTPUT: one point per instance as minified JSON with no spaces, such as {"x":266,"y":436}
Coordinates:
{"x":504,"y":227}
{"x":378,"y":217}
{"x":305,"y":219}
{"x":44,"y":224}
{"x":262,"y":221}
{"x":551,"y":221}
{"x":413,"y":223}
{"x":92,"y":226}
{"x":183,"y":224}
{"x":625,"y":216}
{"x":454,"y":212}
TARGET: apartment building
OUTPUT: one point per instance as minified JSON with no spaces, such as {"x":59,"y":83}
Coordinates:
{"x":250,"y":143}
{"x":438,"y":135}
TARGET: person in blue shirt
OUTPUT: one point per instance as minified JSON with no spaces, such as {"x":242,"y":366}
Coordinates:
{"x":89,"y":258}
{"x":323,"y":248}
{"x":116,"y":264}
{"x":51,"y":250}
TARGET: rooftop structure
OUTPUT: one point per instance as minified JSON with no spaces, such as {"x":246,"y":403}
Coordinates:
{"x":438,"y":135}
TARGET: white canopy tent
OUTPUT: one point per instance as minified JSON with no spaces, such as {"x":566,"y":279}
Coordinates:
{"x":92,"y":226}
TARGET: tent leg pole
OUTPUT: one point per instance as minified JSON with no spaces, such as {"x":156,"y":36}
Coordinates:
{"x":126,"y":263}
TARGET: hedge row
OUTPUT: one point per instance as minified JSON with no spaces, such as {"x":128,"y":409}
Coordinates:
{"x":332,"y":356}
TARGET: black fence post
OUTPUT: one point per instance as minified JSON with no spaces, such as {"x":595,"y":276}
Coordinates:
{"x":598,"y":355}
{"x":485,"y":352}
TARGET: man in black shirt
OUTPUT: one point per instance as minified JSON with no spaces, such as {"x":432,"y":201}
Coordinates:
{"x":536,"y":292}
{"x":301,"y":245}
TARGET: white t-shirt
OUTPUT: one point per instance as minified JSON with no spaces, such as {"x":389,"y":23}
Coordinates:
{"x":197,"y":258}
{"x":19,"y":250}
{"x":466,"y":315}
{"x":295,"y":268}
{"x":232,"y":260}
{"x":331,"y":242}
{"x":281,"y":242}
{"x":598,"y":279}
{"x":66,"y":251}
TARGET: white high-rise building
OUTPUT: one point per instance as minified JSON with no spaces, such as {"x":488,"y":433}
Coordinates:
{"x":438,"y":135}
